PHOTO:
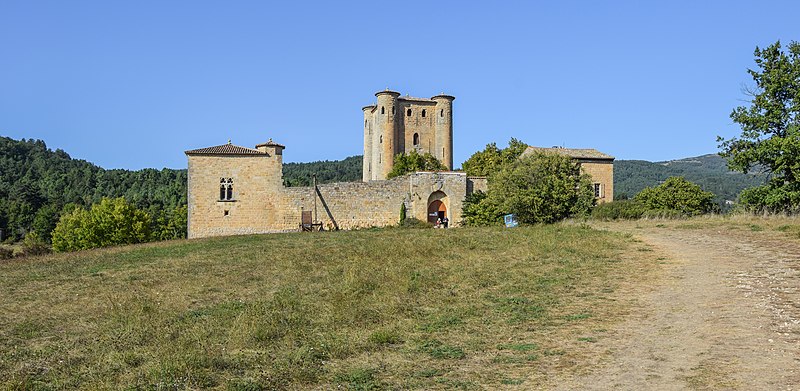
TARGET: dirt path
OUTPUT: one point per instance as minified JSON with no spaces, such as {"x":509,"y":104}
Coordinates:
{"x":724,"y":315}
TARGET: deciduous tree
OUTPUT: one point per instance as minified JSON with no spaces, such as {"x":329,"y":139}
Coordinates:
{"x":770,"y":137}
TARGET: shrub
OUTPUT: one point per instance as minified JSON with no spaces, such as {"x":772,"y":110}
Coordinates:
{"x":415,"y":223}
{"x":678,"y":195}
{"x":771,"y":199}
{"x":541,"y":188}
{"x":413,"y":161}
{"x":34,"y":245}
{"x":6,"y":253}
{"x":479,"y":211}
{"x":624,"y":209}
{"x":111,"y":222}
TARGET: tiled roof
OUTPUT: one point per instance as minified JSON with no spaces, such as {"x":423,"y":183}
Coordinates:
{"x":224,"y":149}
{"x":270,"y":143}
{"x":415,"y":99}
{"x":576,"y":153}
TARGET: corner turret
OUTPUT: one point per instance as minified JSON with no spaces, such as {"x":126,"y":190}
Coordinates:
{"x":443,"y":129}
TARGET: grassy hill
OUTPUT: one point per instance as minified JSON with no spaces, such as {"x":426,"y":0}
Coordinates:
{"x":391,"y":308}
{"x":708,"y":171}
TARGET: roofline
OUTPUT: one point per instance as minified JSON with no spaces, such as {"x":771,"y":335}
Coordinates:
{"x":190,"y":153}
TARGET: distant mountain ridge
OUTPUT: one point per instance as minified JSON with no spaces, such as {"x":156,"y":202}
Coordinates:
{"x":709,"y":171}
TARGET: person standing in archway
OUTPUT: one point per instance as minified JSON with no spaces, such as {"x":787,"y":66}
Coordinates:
{"x":445,"y":222}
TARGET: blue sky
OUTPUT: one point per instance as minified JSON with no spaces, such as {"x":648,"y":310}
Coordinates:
{"x":134,"y":84}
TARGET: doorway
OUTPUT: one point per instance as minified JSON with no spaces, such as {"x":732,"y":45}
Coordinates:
{"x":436,"y":210}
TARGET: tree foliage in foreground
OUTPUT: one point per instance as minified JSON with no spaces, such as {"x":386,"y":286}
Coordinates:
{"x":414,"y":161}
{"x":540,"y":188}
{"x":108,"y":223}
{"x":493,"y":159}
{"x":770,"y":125}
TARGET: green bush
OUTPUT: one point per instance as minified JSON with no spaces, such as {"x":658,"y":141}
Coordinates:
{"x":678,"y":196}
{"x":541,"y":188}
{"x":6,"y":253}
{"x":624,"y":209}
{"x":415,"y":223}
{"x":478,"y":211}
{"x":413,"y":161}
{"x":33,"y":244}
{"x":111,"y":222}
{"x":771,"y":198}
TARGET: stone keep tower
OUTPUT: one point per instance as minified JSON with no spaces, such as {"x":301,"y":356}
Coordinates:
{"x":400,"y":124}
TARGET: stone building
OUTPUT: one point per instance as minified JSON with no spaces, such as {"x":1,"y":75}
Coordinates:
{"x":401,"y":124}
{"x":235,"y":190}
{"x":591,"y":161}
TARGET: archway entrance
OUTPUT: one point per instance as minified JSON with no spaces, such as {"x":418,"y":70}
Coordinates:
{"x":436,"y":210}
{"x":437,"y":206}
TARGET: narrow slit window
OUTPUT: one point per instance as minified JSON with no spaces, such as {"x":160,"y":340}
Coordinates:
{"x":423,"y":112}
{"x":392,"y":110}
{"x":408,"y":113}
{"x":441,"y":113}
{"x":383,"y":111}
{"x":416,"y":139}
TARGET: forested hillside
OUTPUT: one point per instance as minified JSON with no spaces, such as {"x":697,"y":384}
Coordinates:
{"x":327,"y":171}
{"x":36,"y":184}
{"x":708,"y":171}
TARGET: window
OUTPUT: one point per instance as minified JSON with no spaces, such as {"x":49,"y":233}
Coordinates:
{"x":382,"y":110}
{"x":441,"y":113}
{"x":416,"y":139}
{"x":365,"y":123}
{"x":227,"y":212}
{"x":226,"y":189}
{"x":380,"y":139}
{"x":392,"y":110}
{"x":423,"y":112}
{"x":598,"y":190}
{"x":408,"y":113}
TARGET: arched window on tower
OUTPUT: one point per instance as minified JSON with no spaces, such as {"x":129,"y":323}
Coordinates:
{"x":382,"y":110}
{"x":408,"y":113}
{"x":230,"y":189}
{"x":392,"y":110}
{"x":416,"y":139}
{"x":423,"y":112}
{"x":222,"y":190}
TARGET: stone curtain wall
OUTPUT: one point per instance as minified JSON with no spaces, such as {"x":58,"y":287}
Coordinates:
{"x":262,"y":205}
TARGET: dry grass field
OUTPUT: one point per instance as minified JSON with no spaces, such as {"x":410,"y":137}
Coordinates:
{"x":706,"y":303}
{"x":372,"y":309}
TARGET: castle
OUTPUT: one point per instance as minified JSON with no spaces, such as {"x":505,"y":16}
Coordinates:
{"x":398,"y":124}
{"x":235,"y":190}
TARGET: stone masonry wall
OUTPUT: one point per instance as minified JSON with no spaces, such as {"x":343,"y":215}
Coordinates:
{"x":602,"y":172}
{"x":256,"y":179}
